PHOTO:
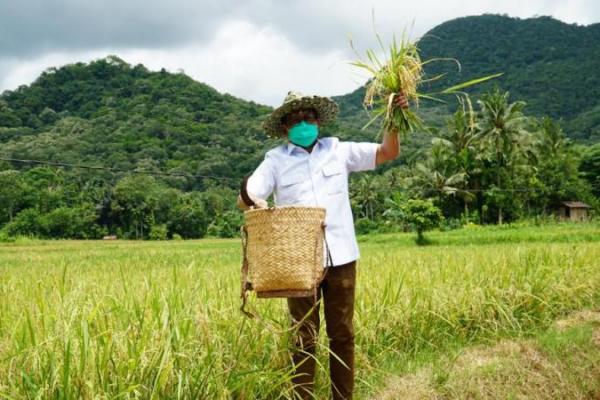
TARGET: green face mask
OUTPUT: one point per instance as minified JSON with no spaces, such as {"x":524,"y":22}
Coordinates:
{"x":303,"y":134}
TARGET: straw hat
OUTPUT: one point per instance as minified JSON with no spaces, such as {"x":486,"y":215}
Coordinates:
{"x":326,"y":108}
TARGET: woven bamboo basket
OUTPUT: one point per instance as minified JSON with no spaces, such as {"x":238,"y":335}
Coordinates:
{"x":283,"y":251}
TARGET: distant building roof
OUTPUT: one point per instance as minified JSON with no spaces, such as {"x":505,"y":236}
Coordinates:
{"x":576,"y":204}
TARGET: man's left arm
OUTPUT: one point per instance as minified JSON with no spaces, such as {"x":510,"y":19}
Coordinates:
{"x":365,"y":156}
{"x":389,"y":148}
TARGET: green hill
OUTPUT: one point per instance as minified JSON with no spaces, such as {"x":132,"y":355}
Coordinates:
{"x":551,"y":65}
{"x":128,"y":117}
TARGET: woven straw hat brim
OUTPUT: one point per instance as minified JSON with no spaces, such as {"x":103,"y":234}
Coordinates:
{"x":326,"y":108}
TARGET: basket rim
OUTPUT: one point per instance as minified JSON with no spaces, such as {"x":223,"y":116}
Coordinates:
{"x":272,"y":209}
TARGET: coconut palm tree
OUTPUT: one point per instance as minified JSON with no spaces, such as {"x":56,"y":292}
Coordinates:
{"x":502,"y":134}
{"x":427,"y":181}
{"x":460,"y":134}
{"x":460,"y":140}
{"x":364,"y":195}
{"x":552,"y":138}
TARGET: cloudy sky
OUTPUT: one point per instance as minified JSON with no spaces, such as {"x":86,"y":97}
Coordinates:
{"x":254,"y":49}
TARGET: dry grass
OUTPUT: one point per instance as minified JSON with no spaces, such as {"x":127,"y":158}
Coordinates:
{"x":512,"y":369}
{"x":578,"y":318}
{"x":416,"y":386}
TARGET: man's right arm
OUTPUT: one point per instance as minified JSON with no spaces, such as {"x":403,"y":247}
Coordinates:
{"x":260,"y":185}
{"x":258,"y":203}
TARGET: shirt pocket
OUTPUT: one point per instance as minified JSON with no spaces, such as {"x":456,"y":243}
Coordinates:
{"x":334,"y":178}
{"x":290,"y":188}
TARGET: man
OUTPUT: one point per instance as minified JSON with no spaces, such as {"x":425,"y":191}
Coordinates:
{"x":313,"y":171}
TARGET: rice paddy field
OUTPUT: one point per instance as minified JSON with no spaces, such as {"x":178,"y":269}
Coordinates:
{"x":475,"y":314}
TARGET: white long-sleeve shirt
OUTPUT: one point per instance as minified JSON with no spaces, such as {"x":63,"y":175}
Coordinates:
{"x":320,"y":178}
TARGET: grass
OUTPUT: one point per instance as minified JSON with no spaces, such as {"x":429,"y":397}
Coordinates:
{"x":145,"y":320}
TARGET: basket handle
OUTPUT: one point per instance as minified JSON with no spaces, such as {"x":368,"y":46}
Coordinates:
{"x":329,"y":259}
{"x":245,"y":284}
{"x":329,"y":262}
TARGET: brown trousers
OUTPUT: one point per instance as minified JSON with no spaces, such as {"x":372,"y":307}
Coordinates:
{"x":337,"y":291}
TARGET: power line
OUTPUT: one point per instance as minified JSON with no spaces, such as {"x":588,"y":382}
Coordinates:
{"x":177,"y":174}
{"x":93,"y":167}
{"x":491,"y":190}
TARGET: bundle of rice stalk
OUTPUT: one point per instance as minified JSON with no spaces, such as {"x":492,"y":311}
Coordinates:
{"x":401,"y":73}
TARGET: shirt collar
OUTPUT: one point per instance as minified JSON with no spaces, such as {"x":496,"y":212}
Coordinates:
{"x":291,"y":146}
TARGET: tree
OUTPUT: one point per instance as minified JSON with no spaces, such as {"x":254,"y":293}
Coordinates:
{"x":134,"y":202}
{"x":226,"y":225}
{"x":25,"y":223}
{"x":8,"y":117}
{"x":74,"y":223}
{"x":12,"y":190}
{"x":555,"y":164}
{"x":394,"y":211}
{"x":502,"y":133}
{"x":188,"y":218}
{"x":460,"y":137}
{"x":590,"y":168}
{"x":422,"y":216}
{"x":158,"y":232}
{"x":461,"y":141}
{"x":46,"y":188}
{"x":437,"y":177}
{"x":367,"y":194}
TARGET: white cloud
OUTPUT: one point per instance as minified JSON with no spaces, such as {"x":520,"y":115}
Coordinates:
{"x":259,"y":49}
{"x":244,"y":60}
{"x":261,"y":64}
{"x":15,"y":72}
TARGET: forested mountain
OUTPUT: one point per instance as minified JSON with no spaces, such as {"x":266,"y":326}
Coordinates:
{"x":126,"y":118}
{"x":121,"y":112}
{"x":113,"y":115}
{"x":553,"y":66}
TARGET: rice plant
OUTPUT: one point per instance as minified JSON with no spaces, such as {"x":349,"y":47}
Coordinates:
{"x":161,"y":320}
{"x":401,"y":73}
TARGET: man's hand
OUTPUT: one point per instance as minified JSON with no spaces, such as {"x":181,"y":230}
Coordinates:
{"x":390,"y":148}
{"x":400,"y":100}
{"x":258,"y":202}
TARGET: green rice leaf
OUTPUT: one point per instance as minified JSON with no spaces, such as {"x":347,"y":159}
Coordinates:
{"x":428,"y":97}
{"x":456,"y":88}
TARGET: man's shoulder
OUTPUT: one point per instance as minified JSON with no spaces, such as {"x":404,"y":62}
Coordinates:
{"x":276,"y":151}
{"x":330,"y":143}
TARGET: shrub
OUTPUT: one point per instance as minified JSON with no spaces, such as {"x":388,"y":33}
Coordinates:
{"x":226,"y":225}
{"x":72,"y":223}
{"x":25,"y":223}
{"x":365,"y":225}
{"x":422,"y":216}
{"x":5,"y":237}
{"x":158,"y":232}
